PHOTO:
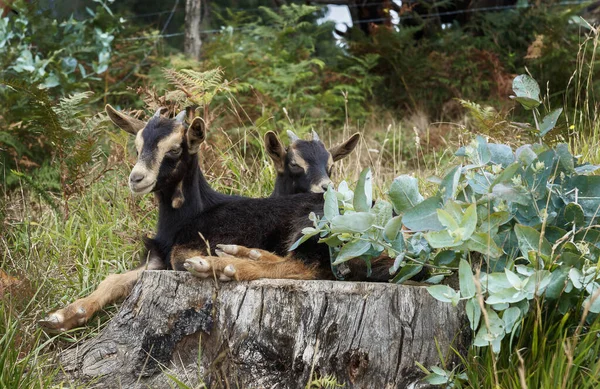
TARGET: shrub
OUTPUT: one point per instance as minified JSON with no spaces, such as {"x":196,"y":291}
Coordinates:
{"x":286,"y":60}
{"x":527,"y":219}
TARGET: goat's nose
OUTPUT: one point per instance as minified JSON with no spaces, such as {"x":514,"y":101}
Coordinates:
{"x":136,"y":178}
{"x":325,"y":185}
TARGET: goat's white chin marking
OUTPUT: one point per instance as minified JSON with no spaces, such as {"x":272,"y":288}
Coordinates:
{"x":142,"y":190}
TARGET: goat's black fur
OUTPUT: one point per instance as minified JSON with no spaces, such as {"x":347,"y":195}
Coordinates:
{"x":207,"y":218}
{"x":294,"y":179}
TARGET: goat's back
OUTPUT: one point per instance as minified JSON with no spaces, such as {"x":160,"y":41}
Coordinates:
{"x":271,"y":224}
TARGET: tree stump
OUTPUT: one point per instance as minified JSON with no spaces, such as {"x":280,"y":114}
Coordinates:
{"x":267,"y":334}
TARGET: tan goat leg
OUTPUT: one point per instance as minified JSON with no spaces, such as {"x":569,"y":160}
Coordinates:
{"x":244,"y":269}
{"x":113,"y":288}
{"x":234,"y":250}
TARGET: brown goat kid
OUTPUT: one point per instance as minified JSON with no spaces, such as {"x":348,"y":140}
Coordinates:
{"x":208,"y":221}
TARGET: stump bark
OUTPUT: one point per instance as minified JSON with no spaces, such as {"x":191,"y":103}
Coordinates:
{"x":267,"y":334}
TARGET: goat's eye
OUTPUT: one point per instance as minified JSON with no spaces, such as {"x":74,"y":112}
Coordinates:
{"x":174,"y":152}
{"x":295,"y":168}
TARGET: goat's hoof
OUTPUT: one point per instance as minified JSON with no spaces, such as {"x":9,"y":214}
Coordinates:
{"x":210,"y":267}
{"x":220,"y":253}
{"x":198,"y":267}
{"x":229,"y":271}
{"x":64,"y":319}
{"x":254,"y":254}
{"x":231,"y":249}
{"x":197,"y":264}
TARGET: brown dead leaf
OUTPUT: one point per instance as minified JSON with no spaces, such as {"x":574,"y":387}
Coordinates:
{"x":535,"y":49}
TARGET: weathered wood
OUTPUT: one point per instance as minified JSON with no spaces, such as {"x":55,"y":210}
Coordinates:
{"x":267,"y":334}
{"x":193,"y":17}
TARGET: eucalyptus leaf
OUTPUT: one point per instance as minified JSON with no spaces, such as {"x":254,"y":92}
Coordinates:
{"x":443,"y":293}
{"x":473,"y":313}
{"x":304,"y":238}
{"x":501,"y":154}
{"x":392,"y":228}
{"x":442,"y":239}
{"x":527,"y":91}
{"x":363,"y":194}
{"x":586,"y":189}
{"x":447,"y":220}
{"x":507,"y":174}
{"x":352,"y":222}
{"x":468,"y":222}
{"x":351,"y":250}
{"x":510,"y":317}
{"x":586,"y":168}
{"x":529,"y":240}
{"x":574,"y":214}
{"x":526,"y":155}
{"x":549,"y":121}
{"x":484,"y":244}
{"x":446,"y":258}
{"x":435,"y":279}
{"x":512,"y":194}
{"x":450,"y":183}
{"x":595,"y":305}
{"x":465,"y":277}
{"x":494,"y":220}
{"x":423,"y":216}
{"x":404,"y":193}
{"x":382,"y":211}
{"x":506,"y":296}
{"x":483,"y":151}
{"x":407,"y":272}
{"x":565,"y":158}
{"x":330,"y":208}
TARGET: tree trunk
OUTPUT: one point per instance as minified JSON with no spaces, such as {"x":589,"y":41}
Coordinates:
{"x":193,"y":18}
{"x":268,"y":334}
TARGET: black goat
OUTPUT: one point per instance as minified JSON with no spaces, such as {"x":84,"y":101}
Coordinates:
{"x":168,"y":166}
{"x":305,"y":166}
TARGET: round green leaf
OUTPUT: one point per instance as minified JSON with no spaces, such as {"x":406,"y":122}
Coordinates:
{"x":404,"y":193}
{"x":527,"y":91}
{"x":423,"y":216}
{"x":574,"y":214}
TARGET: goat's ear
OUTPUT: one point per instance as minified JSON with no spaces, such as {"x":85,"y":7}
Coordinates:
{"x":343,"y":149}
{"x":276,"y":150}
{"x":196,"y":133}
{"x":124,"y":122}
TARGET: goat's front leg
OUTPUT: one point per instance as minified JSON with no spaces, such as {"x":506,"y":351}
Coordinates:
{"x":113,"y":288}
{"x":234,"y":250}
{"x":246,"y":269}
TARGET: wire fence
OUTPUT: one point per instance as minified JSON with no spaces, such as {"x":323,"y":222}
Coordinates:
{"x":374,"y":20}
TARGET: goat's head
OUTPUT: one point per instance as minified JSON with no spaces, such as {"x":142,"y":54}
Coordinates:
{"x":305,"y":166}
{"x":165,"y":148}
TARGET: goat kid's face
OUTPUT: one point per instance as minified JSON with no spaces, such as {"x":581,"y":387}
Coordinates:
{"x":164,"y":146}
{"x":306,"y":165}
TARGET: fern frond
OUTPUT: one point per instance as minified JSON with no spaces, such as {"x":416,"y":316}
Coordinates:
{"x":193,"y":87}
{"x":486,"y":118}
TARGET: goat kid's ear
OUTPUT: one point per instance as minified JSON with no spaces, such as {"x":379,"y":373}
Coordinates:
{"x":196,"y":133}
{"x":124,"y":122}
{"x":276,"y":150}
{"x":343,"y":149}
